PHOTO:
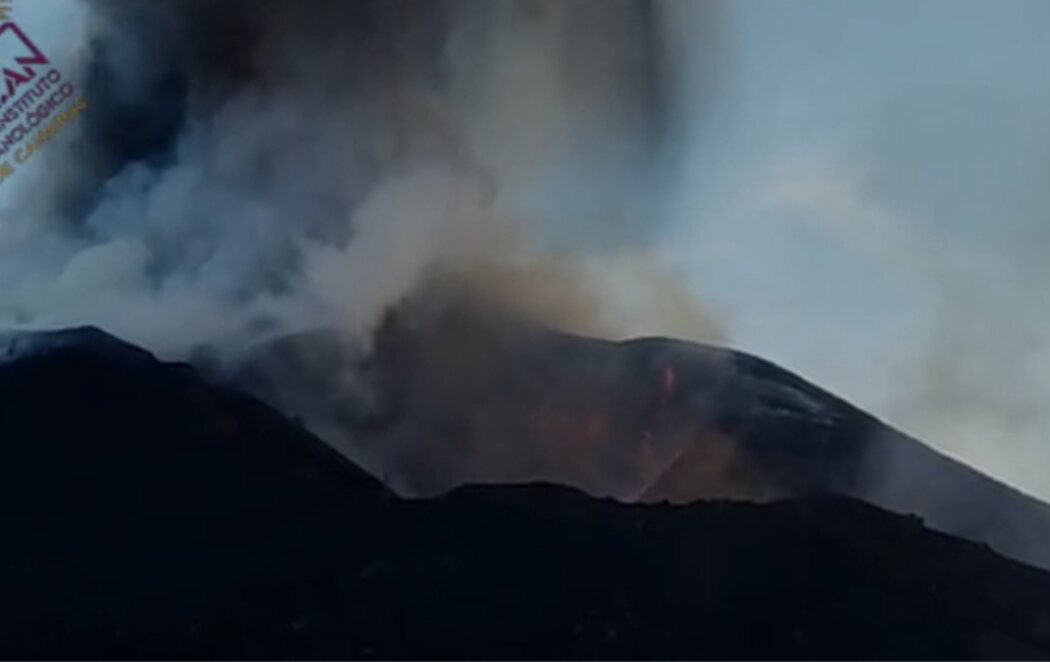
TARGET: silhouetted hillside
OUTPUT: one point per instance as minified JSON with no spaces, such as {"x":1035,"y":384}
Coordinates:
{"x":149,"y":513}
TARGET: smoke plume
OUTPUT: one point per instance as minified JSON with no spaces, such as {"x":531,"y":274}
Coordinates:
{"x":255,"y":168}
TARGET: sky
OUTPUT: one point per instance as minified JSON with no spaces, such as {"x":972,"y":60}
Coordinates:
{"x":865,"y":198}
{"x":860,"y":193}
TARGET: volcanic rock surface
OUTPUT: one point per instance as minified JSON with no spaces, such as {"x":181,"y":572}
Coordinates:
{"x":148,"y":512}
{"x":455,"y":395}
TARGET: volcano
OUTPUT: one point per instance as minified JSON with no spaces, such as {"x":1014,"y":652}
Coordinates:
{"x":455,"y":394}
{"x":150,"y":512}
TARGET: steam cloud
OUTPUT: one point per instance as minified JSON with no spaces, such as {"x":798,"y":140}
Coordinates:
{"x":254,"y":168}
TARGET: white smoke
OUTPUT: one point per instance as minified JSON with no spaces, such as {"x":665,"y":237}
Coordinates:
{"x":317,"y":172}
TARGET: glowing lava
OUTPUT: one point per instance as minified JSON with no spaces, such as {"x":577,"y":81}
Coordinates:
{"x":668,"y":380}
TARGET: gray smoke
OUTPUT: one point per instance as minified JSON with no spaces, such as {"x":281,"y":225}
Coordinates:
{"x":256,"y":168}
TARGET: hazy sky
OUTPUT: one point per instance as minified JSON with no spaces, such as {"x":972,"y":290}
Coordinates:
{"x":866,"y":198}
{"x":863,"y":197}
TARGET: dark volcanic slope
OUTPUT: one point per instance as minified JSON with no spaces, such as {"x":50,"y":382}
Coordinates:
{"x":452,"y":397}
{"x":147,"y":513}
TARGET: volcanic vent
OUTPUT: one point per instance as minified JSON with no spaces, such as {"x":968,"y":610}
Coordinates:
{"x":454,"y":393}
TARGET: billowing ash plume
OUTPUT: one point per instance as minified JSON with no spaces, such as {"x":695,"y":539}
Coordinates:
{"x":254,"y":167}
